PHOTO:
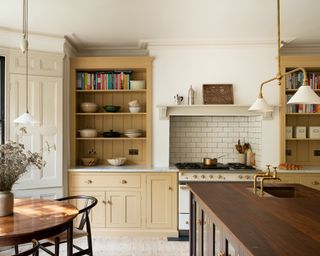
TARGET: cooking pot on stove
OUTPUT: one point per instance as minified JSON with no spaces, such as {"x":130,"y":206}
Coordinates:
{"x":111,"y":134}
{"x":211,"y":161}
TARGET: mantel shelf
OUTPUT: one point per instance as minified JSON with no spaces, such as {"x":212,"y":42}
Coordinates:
{"x":207,"y":110}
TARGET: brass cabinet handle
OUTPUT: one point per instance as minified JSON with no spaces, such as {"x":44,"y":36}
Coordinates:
{"x":124,"y":182}
{"x":315,"y":182}
{"x":221,"y":253}
{"x":89,"y":181}
{"x":182,"y":187}
{"x":104,"y":201}
{"x":109,"y":202}
{"x":170,"y":188}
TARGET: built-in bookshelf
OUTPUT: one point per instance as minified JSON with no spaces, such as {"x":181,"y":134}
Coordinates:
{"x":296,"y":150}
{"x":106,"y":81}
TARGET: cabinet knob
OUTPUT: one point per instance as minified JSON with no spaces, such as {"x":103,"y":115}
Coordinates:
{"x":170,"y":188}
{"x":199,"y":222}
{"x":211,"y":176}
{"x":124,"y":182}
{"x":187,"y":222}
{"x":89,"y":181}
{"x":247,"y":177}
{"x":195,"y":176}
{"x":104,"y":202}
{"x":220,"y":177}
{"x":240,"y":177}
{"x":108,"y":202}
{"x":316,"y":183}
{"x":221,"y":253}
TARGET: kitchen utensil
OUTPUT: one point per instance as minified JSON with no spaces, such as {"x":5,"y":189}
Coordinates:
{"x":111,"y":108}
{"x":239,"y":147}
{"x":111,"y":134}
{"x":245,"y":147}
{"x":117,"y":161}
{"x":88,"y":107}
{"x":211,"y":161}
{"x":88,"y":133}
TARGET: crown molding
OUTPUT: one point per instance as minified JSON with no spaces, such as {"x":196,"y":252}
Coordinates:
{"x":301,"y":49}
{"x":11,"y":38}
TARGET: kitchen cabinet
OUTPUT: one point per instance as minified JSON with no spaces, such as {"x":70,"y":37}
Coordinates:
{"x":303,"y":150}
{"x":130,"y":202}
{"x":161,"y":200}
{"x":123,"y":209}
{"x":311,"y":180}
{"x":107,"y":81}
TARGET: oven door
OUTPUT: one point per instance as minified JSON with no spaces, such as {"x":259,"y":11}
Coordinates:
{"x":184,"y":207}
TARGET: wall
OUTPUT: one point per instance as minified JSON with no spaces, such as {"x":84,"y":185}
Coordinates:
{"x":196,"y":137}
{"x":245,"y":66}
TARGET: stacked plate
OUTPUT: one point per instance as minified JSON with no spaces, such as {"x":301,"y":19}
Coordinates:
{"x":133,"y":133}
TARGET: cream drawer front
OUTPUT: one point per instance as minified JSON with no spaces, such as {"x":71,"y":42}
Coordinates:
{"x":311,"y":181}
{"x":120,"y":181}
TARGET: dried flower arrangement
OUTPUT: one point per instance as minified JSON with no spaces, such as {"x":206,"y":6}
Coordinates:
{"x":15,"y":160}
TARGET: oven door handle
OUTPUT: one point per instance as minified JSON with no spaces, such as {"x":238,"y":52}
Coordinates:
{"x":183,"y":187}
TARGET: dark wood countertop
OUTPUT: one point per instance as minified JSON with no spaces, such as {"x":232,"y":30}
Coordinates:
{"x":264,"y":225}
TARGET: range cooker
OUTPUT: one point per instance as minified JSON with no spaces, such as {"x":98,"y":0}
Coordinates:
{"x":198,"y":172}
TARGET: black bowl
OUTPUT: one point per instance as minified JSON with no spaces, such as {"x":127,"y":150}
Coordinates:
{"x":111,"y":134}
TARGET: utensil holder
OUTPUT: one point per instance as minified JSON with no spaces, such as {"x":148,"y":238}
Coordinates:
{"x":242,"y":158}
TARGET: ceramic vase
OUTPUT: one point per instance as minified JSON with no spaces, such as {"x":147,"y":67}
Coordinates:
{"x":242,"y":158}
{"x":6,"y":203}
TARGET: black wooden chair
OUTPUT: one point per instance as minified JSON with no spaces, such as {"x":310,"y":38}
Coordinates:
{"x":33,"y":251}
{"x":86,"y":203}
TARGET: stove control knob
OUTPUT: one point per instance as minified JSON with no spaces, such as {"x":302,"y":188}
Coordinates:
{"x":195,"y":176}
{"x":247,"y":177}
{"x":220,"y":177}
{"x":210,"y":176}
{"x":240,"y":177}
{"x":203,"y":176}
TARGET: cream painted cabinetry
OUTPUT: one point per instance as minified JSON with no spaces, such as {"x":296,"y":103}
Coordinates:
{"x":130,"y":203}
{"x":161,"y":201}
{"x":311,"y":180}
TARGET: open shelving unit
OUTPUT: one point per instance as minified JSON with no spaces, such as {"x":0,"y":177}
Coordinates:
{"x":300,"y":151}
{"x":140,"y":69}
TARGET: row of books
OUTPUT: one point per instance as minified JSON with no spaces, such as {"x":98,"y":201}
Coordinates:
{"x":302,"y":108}
{"x":113,"y":80}
{"x":295,"y":80}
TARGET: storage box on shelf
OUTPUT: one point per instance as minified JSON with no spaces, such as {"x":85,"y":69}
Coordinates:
{"x":106,"y":81}
{"x":303,"y":148}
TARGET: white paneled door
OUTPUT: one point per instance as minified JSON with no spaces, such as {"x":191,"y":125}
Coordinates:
{"x":45,"y":104}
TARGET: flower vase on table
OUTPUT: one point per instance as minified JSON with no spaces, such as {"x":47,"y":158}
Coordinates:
{"x":14,"y":162}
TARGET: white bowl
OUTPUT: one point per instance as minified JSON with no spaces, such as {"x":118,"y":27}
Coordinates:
{"x":117,"y":161}
{"x":133,"y":135}
{"x":134,"y":109}
{"x":88,"y":133}
{"x":89,"y":107}
{"x":134,"y":103}
{"x":137,"y":84}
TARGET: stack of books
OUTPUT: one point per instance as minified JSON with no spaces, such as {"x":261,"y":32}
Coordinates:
{"x":295,"y":80}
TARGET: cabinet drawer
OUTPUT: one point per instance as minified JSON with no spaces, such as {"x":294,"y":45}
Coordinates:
{"x":311,"y":181}
{"x":110,"y":181}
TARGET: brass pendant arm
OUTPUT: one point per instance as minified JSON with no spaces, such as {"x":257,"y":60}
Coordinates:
{"x":280,"y":76}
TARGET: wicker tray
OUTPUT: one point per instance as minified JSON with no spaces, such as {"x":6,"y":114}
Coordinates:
{"x":217,"y":94}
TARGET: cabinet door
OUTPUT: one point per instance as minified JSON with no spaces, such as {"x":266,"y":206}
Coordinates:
{"x":97,"y":213}
{"x":160,"y":196}
{"x":123,"y":209}
{"x":312,"y":181}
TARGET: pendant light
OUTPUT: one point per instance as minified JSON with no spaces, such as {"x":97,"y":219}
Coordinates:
{"x":304,"y":95}
{"x":25,"y":118}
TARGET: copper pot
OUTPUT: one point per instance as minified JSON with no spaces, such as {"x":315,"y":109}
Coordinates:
{"x":209,"y":161}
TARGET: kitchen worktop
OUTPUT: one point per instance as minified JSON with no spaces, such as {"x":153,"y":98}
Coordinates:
{"x":122,"y":168}
{"x":263,"y":225}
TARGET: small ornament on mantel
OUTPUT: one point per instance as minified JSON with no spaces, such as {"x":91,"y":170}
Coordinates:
{"x":191,"y":94}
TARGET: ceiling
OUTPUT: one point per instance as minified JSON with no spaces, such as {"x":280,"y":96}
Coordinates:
{"x":107,"y":24}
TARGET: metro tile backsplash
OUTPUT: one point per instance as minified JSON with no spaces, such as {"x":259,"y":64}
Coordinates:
{"x":194,"y":137}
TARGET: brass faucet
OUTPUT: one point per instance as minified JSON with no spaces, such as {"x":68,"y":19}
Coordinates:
{"x":265,"y":176}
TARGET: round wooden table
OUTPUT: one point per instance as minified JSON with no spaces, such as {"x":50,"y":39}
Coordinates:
{"x":37,"y":219}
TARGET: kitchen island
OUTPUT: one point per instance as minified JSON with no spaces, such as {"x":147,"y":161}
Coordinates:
{"x":229,"y":219}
